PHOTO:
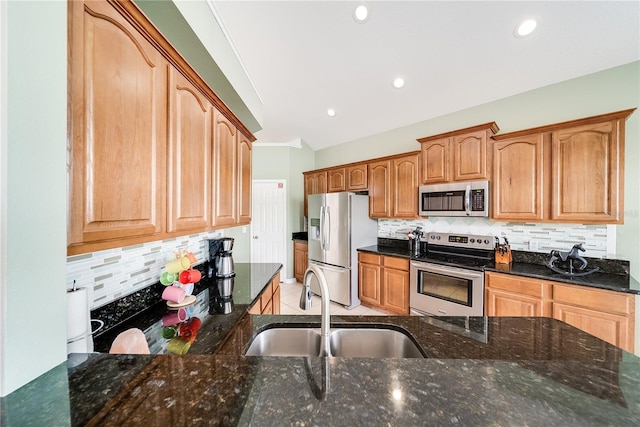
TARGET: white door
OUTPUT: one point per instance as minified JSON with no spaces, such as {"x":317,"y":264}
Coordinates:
{"x":269,"y":222}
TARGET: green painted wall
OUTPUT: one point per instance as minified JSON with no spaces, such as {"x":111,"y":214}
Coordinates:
{"x":286,"y":163}
{"x":33,"y":278}
{"x":603,"y":92}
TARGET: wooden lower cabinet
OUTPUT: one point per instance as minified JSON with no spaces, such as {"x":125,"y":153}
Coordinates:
{"x":269,"y":302}
{"x":383,"y":282}
{"x":608,"y":315}
{"x":516,"y":296}
{"x":300,"y":259}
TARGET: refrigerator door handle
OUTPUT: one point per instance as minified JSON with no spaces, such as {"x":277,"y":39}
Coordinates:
{"x":327,"y":228}
{"x":322,"y":227}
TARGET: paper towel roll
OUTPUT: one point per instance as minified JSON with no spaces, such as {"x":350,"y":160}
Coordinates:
{"x":77,"y":313}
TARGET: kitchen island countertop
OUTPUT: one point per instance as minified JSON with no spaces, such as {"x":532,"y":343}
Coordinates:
{"x":477,"y":371}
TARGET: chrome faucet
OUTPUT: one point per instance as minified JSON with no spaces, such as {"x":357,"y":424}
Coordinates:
{"x":305,"y":304}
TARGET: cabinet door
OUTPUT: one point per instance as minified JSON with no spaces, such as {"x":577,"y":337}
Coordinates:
{"x":587,"y":174}
{"x":369,"y":279}
{"x":469,"y":155}
{"x":336,"y":179}
{"x":612,"y":328}
{"x":518,"y":179}
{"x":501,"y":303}
{"x":189,"y":160}
{"x":356,"y":178}
{"x":244,"y":180}
{"x":405,"y":187}
{"x":508,"y":295}
{"x":225,"y":171}
{"x":435,"y":161}
{"x":380,"y":189}
{"x":117,"y":107}
{"x":395,"y":285}
{"x":300,"y":260}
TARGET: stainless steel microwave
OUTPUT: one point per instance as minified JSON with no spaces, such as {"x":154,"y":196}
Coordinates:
{"x":454,"y":199}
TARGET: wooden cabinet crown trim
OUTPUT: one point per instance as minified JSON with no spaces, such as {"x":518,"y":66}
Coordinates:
{"x":491,"y":126}
{"x":148,"y":30}
{"x":363,"y":162}
{"x":623,"y":114}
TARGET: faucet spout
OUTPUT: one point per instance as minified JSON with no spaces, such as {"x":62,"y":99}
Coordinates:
{"x":305,"y":304}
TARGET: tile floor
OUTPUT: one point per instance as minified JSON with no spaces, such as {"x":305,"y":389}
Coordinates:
{"x":290,"y":300}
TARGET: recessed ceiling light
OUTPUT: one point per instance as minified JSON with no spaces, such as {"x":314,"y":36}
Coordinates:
{"x":525,"y":28}
{"x":331,"y":112}
{"x":398,"y":83}
{"x":361,"y":14}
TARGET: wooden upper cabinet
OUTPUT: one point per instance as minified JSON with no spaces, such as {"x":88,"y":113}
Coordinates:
{"x":357,"y":177}
{"x":393,"y":187}
{"x":565,"y":172}
{"x":405,"y":179}
{"x":519,"y":178}
{"x":460,"y":155}
{"x":470,"y":156}
{"x":117,"y":135}
{"x":225,"y":171}
{"x":189,"y":160}
{"x":336,"y":180}
{"x":315,"y":182}
{"x":587,"y":173}
{"x":435,"y":161}
{"x":380,"y":189}
{"x":244,"y":179}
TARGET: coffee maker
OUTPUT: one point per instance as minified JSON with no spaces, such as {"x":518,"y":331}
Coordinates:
{"x":220,"y":259}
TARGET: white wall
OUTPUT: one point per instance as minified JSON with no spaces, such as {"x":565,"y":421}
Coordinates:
{"x":34,"y":191}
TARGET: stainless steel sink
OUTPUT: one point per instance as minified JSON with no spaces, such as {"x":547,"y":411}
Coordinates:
{"x":365,"y":341}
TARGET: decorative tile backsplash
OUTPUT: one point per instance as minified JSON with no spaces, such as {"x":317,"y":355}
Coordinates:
{"x":114,"y":273}
{"x":598,"y":240}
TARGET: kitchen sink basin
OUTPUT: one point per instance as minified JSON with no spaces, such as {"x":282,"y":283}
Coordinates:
{"x":365,"y":341}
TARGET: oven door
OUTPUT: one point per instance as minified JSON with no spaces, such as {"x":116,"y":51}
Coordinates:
{"x":441,"y":290}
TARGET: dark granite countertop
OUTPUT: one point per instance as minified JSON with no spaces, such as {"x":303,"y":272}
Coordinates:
{"x":491,"y":371}
{"x":218,"y":316}
{"x":301,"y":236}
{"x":613,"y":274}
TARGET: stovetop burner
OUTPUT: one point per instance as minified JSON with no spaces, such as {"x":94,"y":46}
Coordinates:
{"x":458,"y":250}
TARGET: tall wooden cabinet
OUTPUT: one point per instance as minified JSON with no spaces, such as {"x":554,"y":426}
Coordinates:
{"x":459,"y":155}
{"x":225,"y":171}
{"x":117,"y":135}
{"x":189,"y":160}
{"x":142,"y":143}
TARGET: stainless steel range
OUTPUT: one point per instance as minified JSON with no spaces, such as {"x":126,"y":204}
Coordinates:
{"x":448,"y":278}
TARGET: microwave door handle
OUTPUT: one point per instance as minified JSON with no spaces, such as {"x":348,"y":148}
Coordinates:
{"x":467,"y":196}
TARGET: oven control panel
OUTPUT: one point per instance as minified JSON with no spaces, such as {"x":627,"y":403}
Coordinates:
{"x":461,"y":240}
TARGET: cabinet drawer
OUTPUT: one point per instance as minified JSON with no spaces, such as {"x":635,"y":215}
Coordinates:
{"x":369,"y":258}
{"x":597,"y":299}
{"x":398,"y":263}
{"x":519,"y":285}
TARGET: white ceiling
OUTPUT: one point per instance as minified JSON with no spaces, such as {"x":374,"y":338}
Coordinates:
{"x":307,"y":56}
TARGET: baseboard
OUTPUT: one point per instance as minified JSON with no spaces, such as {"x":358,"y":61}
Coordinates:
{"x":290,"y":280}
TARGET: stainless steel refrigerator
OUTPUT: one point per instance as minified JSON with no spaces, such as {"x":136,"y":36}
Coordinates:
{"x":339,"y":224}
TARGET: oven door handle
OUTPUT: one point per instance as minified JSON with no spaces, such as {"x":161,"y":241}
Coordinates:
{"x":448,"y":271}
